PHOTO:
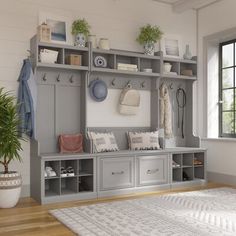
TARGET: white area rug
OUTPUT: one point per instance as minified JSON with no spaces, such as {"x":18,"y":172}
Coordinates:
{"x":198,"y":213}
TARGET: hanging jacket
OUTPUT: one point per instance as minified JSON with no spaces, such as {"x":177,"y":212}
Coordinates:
{"x":27,"y":99}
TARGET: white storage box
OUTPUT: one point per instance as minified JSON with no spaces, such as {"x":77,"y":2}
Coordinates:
{"x":48,"y":56}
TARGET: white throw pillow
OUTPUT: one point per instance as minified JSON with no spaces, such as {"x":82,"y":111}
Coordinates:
{"x":103,"y":142}
{"x":143,"y":140}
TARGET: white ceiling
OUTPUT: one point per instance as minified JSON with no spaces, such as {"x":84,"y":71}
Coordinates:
{"x":183,"y":5}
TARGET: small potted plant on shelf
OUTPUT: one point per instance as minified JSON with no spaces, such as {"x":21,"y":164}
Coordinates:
{"x":148,"y":36}
{"x":80,"y":29}
{"x":10,"y":146}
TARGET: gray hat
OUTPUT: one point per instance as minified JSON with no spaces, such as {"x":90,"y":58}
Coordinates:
{"x":98,"y":90}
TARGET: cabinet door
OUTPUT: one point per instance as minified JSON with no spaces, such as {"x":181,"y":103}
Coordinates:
{"x":152,"y":170}
{"x":116,"y":173}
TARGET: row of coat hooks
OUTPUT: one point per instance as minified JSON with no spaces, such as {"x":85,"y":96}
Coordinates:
{"x":58,"y":78}
{"x":171,"y":86}
{"x":129,"y":82}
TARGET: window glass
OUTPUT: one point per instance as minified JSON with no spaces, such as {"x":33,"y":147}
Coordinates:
{"x":228,"y":55}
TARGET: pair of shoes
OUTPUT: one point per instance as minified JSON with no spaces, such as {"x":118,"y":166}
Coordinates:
{"x":69,"y":171}
{"x":197,"y":162}
{"x":175,"y":164}
{"x":49,"y":172}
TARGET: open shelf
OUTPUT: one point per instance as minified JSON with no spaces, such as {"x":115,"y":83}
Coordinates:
{"x":187,"y":167}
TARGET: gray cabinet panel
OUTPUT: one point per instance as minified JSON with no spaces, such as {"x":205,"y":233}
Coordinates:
{"x":152,"y":170}
{"x":45,"y":118}
{"x":116,"y":173}
{"x":67,"y":110}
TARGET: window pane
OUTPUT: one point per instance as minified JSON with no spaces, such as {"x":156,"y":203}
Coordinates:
{"x":228,"y":78}
{"x":228,"y":122}
{"x":228,"y":99}
{"x":227,"y":55}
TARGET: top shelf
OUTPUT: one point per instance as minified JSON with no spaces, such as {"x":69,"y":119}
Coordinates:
{"x":113,"y":58}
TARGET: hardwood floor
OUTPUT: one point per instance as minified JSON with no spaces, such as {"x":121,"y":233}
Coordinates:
{"x":29,"y":218}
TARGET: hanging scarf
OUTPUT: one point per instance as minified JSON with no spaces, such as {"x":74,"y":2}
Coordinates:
{"x":165,"y":109}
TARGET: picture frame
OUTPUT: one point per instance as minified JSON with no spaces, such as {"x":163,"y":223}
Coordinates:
{"x":171,"y":46}
{"x":60,"y":27}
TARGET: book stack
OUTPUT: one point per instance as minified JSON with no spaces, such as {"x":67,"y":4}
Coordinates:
{"x":129,"y":67}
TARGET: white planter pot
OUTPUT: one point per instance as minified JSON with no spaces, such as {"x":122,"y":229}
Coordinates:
{"x":80,"y":40}
{"x":10,"y":188}
{"x":149,"y":49}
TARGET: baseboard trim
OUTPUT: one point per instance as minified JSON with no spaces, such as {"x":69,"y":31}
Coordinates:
{"x":25,"y":191}
{"x":221,"y":178}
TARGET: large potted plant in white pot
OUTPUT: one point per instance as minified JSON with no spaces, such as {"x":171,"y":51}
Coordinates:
{"x":10,"y":146}
{"x":148,"y":36}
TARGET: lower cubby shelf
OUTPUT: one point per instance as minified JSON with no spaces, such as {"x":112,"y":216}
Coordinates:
{"x":81,"y":182}
{"x":184,"y":168}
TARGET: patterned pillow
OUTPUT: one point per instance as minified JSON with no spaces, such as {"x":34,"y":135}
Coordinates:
{"x":103,"y":142}
{"x":143,"y":140}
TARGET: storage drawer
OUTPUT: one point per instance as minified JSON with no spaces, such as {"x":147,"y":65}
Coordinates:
{"x":116,"y":173}
{"x":152,"y":170}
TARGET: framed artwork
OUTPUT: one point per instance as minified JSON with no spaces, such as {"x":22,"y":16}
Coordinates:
{"x":60,"y":27}
{"x":171,"y":46}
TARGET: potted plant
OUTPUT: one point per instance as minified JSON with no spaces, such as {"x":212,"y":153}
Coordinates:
{"x":148,"y":36}
{"x":80,"y":29}
{"x":10,"y":146}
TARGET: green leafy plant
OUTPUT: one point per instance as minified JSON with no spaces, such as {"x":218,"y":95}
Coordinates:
{"x":149,"y":34}
{"x":80,"y":26}
{"x":10,"y":141}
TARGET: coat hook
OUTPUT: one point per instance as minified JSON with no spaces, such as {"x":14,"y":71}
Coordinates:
{"x":58,"y":78}
{"x":143,"y":84}
{"x":171,"y":86}
{"x":71,"y":79}
{"x":44,"y":77}
{"x":129,"y":84}
{"x":113,"y":82}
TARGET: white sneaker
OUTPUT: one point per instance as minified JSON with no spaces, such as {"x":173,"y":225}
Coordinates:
{"x":50,"y":172}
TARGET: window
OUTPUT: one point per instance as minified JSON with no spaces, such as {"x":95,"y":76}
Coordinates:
{"x":227,"y":86}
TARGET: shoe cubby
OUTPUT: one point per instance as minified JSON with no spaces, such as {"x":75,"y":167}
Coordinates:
{"x":187,"y":160}
{"x":199,"y":166}
{"x":187,"y":170}
{"x":187,"y":174}
{"x":55,"y":165}
{"x":176,"y":175}
{"x":69,"y":185}
{"x":85,"y":167}
{"x":81,"y":52}
{"x":52,"y":187}
{"x":85,"y":184}
{"x":69,"y":163}
{"x":177,"y":158}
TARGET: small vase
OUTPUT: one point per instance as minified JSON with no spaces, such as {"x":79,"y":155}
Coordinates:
{"x":149,"y":49}
{"x":104,"y":44}
{"x":187,"y":54}
{"x":80,"y":40}
{"x":93,"y":40}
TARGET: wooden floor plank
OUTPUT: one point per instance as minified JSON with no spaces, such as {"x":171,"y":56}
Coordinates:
{"x":30,"y":218}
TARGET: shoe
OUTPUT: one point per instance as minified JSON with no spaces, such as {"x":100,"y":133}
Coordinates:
{"x":45,"y":174}
{"x":63,"y":172}
{"x":70,"y":171}
{"x":175,"y":164}
{"x":197,"y":162}
{"x":185,"y":176}
{"x":50,"y":172}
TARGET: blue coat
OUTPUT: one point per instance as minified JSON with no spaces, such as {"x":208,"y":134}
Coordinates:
{"x":27,"y":99}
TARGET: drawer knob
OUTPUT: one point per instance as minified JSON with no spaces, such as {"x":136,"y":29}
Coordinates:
{"x":153,"y":171}
{"x":118,"y":173}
